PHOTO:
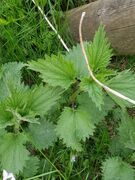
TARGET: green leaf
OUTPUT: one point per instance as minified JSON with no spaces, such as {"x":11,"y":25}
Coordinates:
{"x":117,"y":148}
{"x":42,"y":98}
{"x":11,"y":71}
{"x":103,"y":75}
{"x":76,"y":56}
{"x":127,"y":132}
{"x":99,"y":52}
{"x":31,"y":167}
{"x":96,"y":114}
{"x":14,"y":103}
{"x":5,"y":116}
{"x":74,"y":126}
{"x":55,"y":71}
{"x":95,"y":91}
{"x":115,"y":168}
{"x":42,"y":135}
{"x":124,"y":83}
{"x":10,"y":76}
{"x":122,"y":103}
{"x":24,"y":104}
{"x":13,"y":68}
{"x":13,"y":153}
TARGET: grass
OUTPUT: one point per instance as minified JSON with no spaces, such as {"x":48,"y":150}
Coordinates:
{"x":24,"y":35}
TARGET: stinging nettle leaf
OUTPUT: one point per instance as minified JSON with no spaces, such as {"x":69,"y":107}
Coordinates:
{"x":10,"y":76}
{"x":31,"y":167}
{"x":24,"y":104}
{"x":96,"y":115}
{"x":16,"y":101}
{"x":55,"y":71}
{"x":42,"y":98}
{"x":42,"y":135}
{"x":124,"y":83}
{"x":94,"y":90}
{"x":5,"y":117}
{"x":117,"y":148}
{"x":13,"y":92}
{"x":127,"y":132}
{"x":115,"y":168}
{"x":76,"y":56}
{"x":99,"y":52}
{"x":13,"y":154}
{"x":74,"y":126}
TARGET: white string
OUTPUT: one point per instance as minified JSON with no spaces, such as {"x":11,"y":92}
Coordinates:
{"x":91,"y":73}
{"x":53,"y":28}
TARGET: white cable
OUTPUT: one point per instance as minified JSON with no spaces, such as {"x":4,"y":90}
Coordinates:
{"x":91,"y":73}
{"x":53,"y":28}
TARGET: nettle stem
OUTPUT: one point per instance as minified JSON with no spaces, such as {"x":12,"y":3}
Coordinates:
{"x":75,"y":91}
{"x":16,"y":127}
{"x":106,"y":88}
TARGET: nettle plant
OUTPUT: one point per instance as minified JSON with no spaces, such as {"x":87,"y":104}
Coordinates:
{"x":67,"y":105}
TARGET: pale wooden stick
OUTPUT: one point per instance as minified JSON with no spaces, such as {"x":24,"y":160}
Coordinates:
{"x":106,"y":88}
{"x":53,"y":28}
